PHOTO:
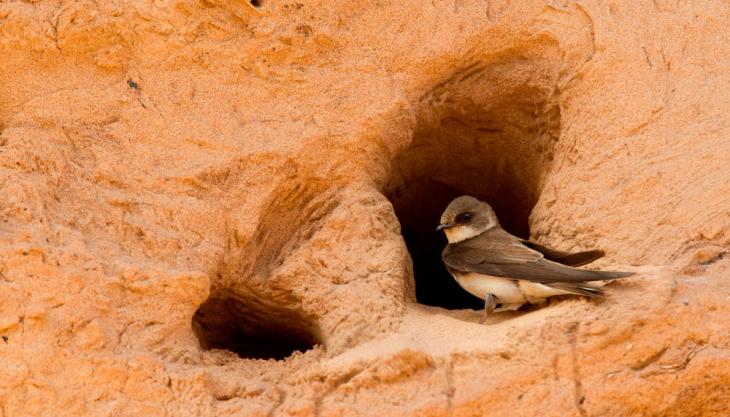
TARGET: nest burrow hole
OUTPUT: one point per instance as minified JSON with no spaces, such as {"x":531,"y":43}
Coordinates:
{"x":471,"y":139}
{"x":250,"y":328}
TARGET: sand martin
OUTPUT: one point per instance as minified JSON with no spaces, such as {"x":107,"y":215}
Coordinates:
{"x":505,"y":270}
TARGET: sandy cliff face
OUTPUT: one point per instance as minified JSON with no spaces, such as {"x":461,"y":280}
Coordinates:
{"x":193,"y":190}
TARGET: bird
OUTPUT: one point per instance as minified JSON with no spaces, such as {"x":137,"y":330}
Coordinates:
{"x":508,"y":272}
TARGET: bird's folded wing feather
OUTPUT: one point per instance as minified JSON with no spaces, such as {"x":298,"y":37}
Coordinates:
{"x":498,"y":253}
{"x":565,"y":258}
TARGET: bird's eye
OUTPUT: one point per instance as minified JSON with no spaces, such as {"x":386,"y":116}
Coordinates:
{"x":464,"y":217}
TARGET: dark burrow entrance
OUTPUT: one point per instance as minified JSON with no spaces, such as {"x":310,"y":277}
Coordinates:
{"x":475,"y":139}
{"x":250,"y":329}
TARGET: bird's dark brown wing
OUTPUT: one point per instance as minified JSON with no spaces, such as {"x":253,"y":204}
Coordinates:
{"x":497,"y":253}
{"x":493,"y":246}
{"x":565,"y":258}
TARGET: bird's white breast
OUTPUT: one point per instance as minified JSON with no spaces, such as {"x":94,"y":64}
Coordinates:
{"x":505,"y":289}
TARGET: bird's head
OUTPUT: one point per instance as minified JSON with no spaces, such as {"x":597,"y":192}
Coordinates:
{"x":466,"y":217}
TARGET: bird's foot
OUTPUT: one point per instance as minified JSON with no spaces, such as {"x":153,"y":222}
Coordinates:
{"x":490,"y":303}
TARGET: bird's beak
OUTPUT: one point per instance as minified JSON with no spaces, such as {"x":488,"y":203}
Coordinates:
{"x":444,"y":226}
